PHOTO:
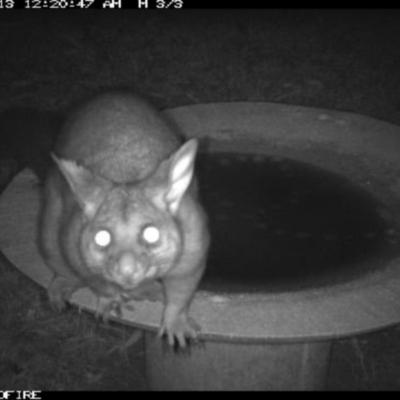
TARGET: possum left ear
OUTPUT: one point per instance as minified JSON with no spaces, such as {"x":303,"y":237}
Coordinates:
{"x":87,"y":187}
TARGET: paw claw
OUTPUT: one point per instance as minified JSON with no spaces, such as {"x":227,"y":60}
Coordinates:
{"x":181,"y":331}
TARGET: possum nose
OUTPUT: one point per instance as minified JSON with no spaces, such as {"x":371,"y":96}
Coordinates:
{"x":128,"y":265}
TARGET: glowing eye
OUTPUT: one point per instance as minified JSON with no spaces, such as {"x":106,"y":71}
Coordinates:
{"x":102,"y":238}
{"x":151,"y":234}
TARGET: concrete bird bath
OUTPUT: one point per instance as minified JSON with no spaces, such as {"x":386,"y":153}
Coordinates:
{"x":261,"y":336}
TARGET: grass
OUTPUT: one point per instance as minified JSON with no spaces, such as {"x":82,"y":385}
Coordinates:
{"x":339,"y":60}
{"x":41,"y":349}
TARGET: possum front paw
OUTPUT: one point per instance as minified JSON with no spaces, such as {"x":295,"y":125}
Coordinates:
{"x":180,"y":328}
{"x":60,"y":291}
{"x":108,"y":306}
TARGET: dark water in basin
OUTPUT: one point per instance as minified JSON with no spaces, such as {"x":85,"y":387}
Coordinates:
{"x":279,"y":224}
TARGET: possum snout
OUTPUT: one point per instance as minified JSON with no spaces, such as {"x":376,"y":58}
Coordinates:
{"x":128,"y":270}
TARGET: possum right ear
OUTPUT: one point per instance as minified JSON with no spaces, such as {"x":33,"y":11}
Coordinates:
{"x":181,"y":169}
{"x":87,"y":187}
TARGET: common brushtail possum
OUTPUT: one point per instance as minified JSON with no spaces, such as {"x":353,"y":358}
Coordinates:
{"x":121,"y":214}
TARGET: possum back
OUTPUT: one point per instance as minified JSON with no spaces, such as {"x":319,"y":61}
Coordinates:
{"x":118,"y":136}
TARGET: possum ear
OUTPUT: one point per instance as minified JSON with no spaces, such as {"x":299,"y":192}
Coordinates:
{"x":181,"y":170}
{"x":87,"y":187}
